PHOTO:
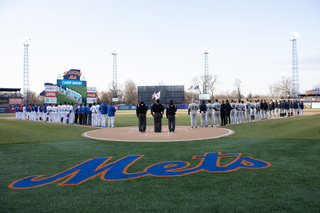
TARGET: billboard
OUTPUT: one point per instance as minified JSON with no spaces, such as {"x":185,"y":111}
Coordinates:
{"x":91,"y":95}
{"x":15,"y":101}
{"x":50,"y":94}
{"x":204,"y":97}
{"x":71,"y":91}
{"x":167,"y":93}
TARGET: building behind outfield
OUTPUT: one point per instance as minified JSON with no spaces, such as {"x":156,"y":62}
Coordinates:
{"x":167,"y":93}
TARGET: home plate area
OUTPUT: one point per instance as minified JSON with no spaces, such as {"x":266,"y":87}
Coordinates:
{"x":181,"y":133}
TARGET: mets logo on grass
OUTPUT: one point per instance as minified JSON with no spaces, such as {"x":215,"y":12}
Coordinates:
{"x":117,"y":170}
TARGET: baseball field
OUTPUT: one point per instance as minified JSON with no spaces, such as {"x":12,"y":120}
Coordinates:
{"x":80,"y":174}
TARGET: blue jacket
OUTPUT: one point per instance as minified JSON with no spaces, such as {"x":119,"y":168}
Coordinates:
{"x":203,"y":107}
{"x":83,"y":110}
{"x":77,"y":111}
{"x":301,"y":105}
{"x":44,"y":108}
{"x":103,"y":108}
{"x":111,"y":110}
{"x":88,"y":111}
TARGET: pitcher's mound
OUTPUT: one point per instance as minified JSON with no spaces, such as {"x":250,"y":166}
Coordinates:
{"x":181,"y":133}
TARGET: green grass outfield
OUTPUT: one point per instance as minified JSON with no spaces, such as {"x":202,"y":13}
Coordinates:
{"x":290,"y":184}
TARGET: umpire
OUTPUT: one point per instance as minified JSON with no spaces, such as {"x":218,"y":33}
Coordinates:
{"x":141,"y":111}
{"x":157,"y":110}
{"x":170,"y":113}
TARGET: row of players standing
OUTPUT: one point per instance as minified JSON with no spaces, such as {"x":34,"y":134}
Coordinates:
{"x":233,"y":113}
{"x":157,"y":111}
{"x":90,"y":114}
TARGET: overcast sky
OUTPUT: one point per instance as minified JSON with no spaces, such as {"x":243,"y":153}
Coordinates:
{"x":160,"y":41}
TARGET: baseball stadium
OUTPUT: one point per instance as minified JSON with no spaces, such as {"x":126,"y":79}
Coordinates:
{"x":263,"y":166}
{"x":118,"y":111}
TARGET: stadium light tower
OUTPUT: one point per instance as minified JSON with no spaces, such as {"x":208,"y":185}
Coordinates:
{"x":295,"y":72}
{"x":206,"y":71}
{"x":26,"y":43}
{"x":114,"y":82}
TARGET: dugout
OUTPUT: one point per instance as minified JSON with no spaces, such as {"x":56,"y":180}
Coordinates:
{"x":167,"y":93}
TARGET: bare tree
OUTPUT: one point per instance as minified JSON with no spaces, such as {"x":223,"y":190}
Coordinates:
{"x":188,"y":96}
{"x":237,"y":83}
{"x":106,"y":97}
{"x":196,"y":81}
{"x":212,"y":84}
{"x":130,"y":92}
{"x":35,"y":98}
{"x":281,"y":88}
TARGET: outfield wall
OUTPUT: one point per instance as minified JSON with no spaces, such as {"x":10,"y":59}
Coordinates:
{"x":134,"y":107}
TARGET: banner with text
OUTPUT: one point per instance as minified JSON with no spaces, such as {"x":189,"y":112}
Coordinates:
{"x":91,"y":95}
{"x":50,"y":94}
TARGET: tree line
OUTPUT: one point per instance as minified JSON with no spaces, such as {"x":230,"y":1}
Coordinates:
{"x":128,"y":93}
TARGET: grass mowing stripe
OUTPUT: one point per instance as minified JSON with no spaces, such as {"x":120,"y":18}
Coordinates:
{"x":291,"y":184}
{"x":14,"y":131}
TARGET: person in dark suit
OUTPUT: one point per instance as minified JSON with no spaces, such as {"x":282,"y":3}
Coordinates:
{"x":171,"y":115}
{"x":223,"y":111}
{"x":141,"y":111}
{"x":157,"y":111}
{"x":228,"y":112}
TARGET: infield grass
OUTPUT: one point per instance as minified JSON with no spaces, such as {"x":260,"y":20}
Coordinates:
{"x":290,"y":184}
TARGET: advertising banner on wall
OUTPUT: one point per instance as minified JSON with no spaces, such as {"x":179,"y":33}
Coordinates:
{"x":91,"y":95}
{"x":15,"y":101}
{"x":50,"y":94}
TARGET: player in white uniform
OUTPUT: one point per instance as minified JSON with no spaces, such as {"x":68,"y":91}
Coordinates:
{"x":243,"y":111}
{"x":71,"y":114}
{"x":248,"y":112}
{"x":209,"y":113}
{"x":40,"y":109}
{"x":238,"y":112}
{"x":59,"y":113}
{"x":257,"y":110}
{"x":65,"y":112}
{"x":192,"y":112}
{"x":56,"y":113}
{"x":24,"y":111}
{"x":233,"y":112}
{"x":48,"y":113}
{"x":253,"y":106}
{"x":94,"y":115}
{"x":216,"y":107}
{"x":98,"y":115}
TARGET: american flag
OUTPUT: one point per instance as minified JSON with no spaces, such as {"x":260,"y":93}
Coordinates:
{"x":154,"y":94}
{"x":190,"y":88}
